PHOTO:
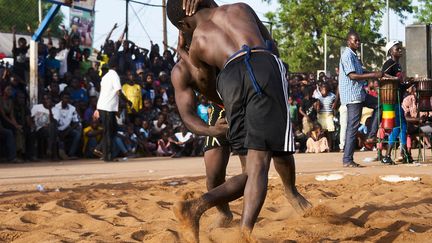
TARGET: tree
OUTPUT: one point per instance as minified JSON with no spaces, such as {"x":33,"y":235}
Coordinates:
{"x":424,"y":12}
{"x":302,"y":24}
{"x":23,"y":12}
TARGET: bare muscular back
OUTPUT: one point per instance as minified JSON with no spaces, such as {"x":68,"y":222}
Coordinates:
{"x":224,"y":33}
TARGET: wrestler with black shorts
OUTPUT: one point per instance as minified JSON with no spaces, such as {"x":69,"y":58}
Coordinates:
{"x":254,"y":90}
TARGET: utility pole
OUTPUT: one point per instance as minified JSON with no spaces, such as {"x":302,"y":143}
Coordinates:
{"x":127,"y":19}
{"x":388,"y":20}
{"x":40,"y":11}
{"x":325,"y":54}
{"x":164,"y":23}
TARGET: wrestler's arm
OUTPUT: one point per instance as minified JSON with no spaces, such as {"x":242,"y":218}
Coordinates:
{"x":186,"y":103}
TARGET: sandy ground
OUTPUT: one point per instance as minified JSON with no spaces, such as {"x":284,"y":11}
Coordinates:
{"x":131,"y":201}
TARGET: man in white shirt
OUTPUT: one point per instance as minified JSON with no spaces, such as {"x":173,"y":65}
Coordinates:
{"x":107,"y":107}
{"x":45,"y":127}
{"x":183,"y":143}
{"x":68,"y":125}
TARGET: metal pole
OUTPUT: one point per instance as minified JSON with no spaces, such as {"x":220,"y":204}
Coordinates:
{"x":325,"y":54}
{"x":33,"y":87}
{"x":127,"y":19}
{"x":164,"y":23}
{"x":388,"y":20}
{"x":40,"y":11}
{"x":361,"y":52}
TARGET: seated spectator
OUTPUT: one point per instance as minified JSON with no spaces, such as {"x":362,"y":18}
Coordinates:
{"x":317,"y":141}
{"x":92,"y":135}
{"x":203,"y":109}
{"x":69,"y":127}
{"x":158,"y":126}
{"x":8,"y":139}
{"x":46,"y":128}
{"x":143,"y":139}
{"x":88,"y":113}
{"x":148,"y":112}
{"x":182,"y":143}
{"x":164,"y":145}
{"x":77,"y":94}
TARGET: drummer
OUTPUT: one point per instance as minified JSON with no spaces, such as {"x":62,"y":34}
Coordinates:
{"x":393,"y":68}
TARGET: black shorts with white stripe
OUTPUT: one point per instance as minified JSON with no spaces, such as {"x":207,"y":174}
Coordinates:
{"x":216,"y":113}
{"x":258,"y":121}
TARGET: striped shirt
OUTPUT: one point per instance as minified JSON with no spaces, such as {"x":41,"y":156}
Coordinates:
{"x":326,"y":102}
{"x":351,"y":91}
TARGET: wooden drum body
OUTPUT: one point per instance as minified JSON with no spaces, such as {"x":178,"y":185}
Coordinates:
{"x":388,"y":93}
{"x":424,"y":89}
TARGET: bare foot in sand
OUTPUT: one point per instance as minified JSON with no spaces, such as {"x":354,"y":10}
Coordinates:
{"x":298,"y":202}
{"x":224,"y":219}
{"x":188,"y":216}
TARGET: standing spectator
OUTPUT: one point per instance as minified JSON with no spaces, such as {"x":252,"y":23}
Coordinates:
{"x":132,"y":91}
{"x":51,"y":62}
{"x":21,"y":62}
{"x":74,"y":55}
{"x":125,"y":59}
{"x":352,"y":94}
{"x":308,"y":110}
{"x":62,"y":56}
{"x":325,"y":115}
{"x":107,"y":106}
{"x":85,"y":63}
{"x":293,"y":110}
{"x":69,"y":127}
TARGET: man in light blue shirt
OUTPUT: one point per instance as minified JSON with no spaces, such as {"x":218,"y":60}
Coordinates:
{"x":352,"y":94}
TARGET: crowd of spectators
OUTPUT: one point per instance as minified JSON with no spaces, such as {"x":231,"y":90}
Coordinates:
{"x":61,"y":125}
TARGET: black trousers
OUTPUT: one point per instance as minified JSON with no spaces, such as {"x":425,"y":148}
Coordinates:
{"x":109,"y":124}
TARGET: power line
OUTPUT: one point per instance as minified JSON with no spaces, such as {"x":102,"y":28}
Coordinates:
{"x":139,"y":20}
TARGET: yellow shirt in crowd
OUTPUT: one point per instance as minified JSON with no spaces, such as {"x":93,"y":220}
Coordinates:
{"x":85,"y":137}
{"x":133,"y":93}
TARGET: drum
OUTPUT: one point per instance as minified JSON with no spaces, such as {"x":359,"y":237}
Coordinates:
{"x":424,"y":90}
{"x":388,"y":89}
{"x":388,"y":93}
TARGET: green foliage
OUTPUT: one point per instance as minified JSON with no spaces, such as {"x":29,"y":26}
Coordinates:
{"x":301,"y":25}
{"x":424,"y":12}
{"x":23,"y":12}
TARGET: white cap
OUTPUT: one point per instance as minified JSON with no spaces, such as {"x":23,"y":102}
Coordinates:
{"x":390,"y":44}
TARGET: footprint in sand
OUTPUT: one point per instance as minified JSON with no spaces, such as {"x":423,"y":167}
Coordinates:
{"x":9,"y":236}
{"x":139,"y":235}
{"x":30,"y":218}
{"x":163,"y":204}
{"x":71,"y":204}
